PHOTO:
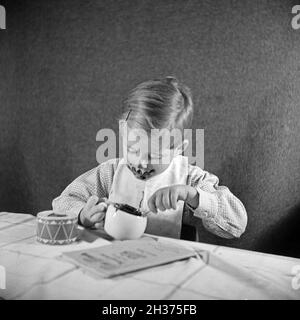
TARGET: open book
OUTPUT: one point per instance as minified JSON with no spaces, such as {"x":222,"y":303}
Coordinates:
{"x":127,"y":256}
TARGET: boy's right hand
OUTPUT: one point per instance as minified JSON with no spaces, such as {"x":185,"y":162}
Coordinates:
{"x":93,"y":213}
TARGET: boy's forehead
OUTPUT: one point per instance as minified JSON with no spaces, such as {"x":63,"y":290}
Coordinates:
{"x":157,"y":140}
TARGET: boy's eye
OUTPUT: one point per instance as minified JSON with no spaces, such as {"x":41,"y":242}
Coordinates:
{"x":131,"y":150}
{"x":156,"y":156}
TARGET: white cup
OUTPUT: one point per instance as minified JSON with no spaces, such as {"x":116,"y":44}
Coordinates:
{"x":122,"y":225}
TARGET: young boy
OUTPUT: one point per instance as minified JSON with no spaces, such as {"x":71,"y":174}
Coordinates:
{"x":157,"y":179}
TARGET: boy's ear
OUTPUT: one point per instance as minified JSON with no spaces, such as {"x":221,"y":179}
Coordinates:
{"x":182,"y":147}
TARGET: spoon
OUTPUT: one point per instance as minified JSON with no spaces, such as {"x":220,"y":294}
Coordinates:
{"x":130,"y":209}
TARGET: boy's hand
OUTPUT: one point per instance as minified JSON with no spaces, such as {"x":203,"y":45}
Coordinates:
{"x":93,"y":213}
{"x":167,"y":198}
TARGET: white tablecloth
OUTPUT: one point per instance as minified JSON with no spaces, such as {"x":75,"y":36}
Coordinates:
{"x":36,"y":271}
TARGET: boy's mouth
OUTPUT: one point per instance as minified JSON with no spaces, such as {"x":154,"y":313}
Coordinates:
{"x":141,"y":174}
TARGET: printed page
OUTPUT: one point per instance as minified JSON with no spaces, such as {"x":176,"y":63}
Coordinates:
{"x":127,"y":256}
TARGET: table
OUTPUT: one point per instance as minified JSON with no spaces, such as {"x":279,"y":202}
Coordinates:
{"x":37,"y":271}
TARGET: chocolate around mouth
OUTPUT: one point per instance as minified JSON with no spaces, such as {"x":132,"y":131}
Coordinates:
{"x":141,"y":174}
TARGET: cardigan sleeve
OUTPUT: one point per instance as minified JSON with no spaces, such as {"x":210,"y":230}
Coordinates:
{"x":96,"y":181}
{"x":222,"y":213}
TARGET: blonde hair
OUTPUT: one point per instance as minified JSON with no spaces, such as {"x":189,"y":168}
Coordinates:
{"x":158,"y":104}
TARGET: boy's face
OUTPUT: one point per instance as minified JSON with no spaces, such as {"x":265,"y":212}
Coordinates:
{"x":147,"y":155}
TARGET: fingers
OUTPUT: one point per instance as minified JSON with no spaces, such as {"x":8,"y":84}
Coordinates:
{"x":174,"y":199}
{"x":98,"y":208}
{"x":151,"y":203}
{"x":92,"y":201}
{"x":166,"y":199}
{"x":97,"y":217}
{"x":163,"y":199}
{"x":99,"y":225}
{"x":93,"y":212}
{"x":155,"y":202}
{"x":158,"y":201}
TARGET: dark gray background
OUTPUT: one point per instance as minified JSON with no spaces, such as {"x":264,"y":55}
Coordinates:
{"x":66,"y":66}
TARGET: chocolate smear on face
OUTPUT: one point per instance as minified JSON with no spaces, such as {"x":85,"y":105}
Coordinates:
{"x":141,"y":174}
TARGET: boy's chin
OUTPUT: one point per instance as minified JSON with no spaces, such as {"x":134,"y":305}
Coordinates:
{"x":142,"y":176}
{"x":145,"y":177}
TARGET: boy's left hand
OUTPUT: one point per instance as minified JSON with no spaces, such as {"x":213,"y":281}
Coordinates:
{"x":167,"y":198}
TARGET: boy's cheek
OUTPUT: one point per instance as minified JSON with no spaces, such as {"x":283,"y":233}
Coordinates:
{"x":131,"y":159}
